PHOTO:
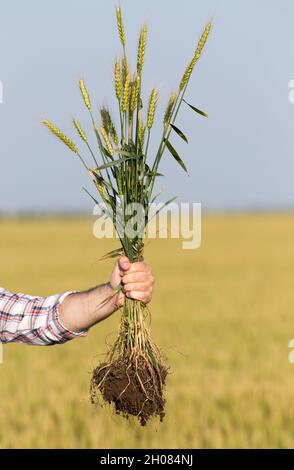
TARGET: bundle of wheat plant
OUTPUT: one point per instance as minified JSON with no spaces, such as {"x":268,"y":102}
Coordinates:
{"x":133,"y":375}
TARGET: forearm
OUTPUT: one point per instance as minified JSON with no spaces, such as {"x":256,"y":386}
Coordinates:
{"x":80,"y":311}
{"x":62,"y":317}
{"x":33,"y":320}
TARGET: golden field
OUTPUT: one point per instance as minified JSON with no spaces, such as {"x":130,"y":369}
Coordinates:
{"x":222,"y":314}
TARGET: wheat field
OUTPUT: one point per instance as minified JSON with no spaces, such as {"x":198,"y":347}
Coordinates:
{"x":222,"y":314}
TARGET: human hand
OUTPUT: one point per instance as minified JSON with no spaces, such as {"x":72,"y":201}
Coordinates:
{"x":136,"y":278}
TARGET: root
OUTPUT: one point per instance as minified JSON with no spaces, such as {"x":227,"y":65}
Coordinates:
{"x":134,"y":388}
{"x":134,"y":374}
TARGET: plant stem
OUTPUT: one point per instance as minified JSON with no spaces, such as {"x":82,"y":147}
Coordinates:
{"x":83,"y":161}
{"x":166,"y":134}
{"x":92,"y":153}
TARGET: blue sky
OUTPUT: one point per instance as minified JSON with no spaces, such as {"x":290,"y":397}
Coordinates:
{"x":242,"y":157}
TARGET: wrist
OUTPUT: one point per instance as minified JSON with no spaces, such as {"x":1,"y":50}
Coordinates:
{"x":109,"y":302}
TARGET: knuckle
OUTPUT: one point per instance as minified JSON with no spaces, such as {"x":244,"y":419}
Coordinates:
{"x":137,"y":266}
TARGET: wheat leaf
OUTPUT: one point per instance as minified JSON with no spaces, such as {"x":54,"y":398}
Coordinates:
{"x":175,"y":154}
{"x":128,"y":154}
{"x":179,"y":132}
{"x":113,"y":163}
{"x":196,"y":109}
{"x":89,"y":194}
{"x":112,"y":254}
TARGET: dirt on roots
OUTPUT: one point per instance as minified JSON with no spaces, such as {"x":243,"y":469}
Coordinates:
{"x":134,"y":389}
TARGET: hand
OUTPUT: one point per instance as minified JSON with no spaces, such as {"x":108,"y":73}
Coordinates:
{"x":80,"y":311}
{"x":137,"y":280}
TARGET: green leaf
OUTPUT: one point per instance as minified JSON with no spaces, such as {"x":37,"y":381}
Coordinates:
{"x":179,"y":132}
{"x":152,"y":358}
{"x":156,"y":196}
{"x":175,"y":154}
{"x":113,"y":163}
{"x":112,"y":254}
{"x":128,"y":154}
{"x":165,"y":204}
{"x":107,"y":202}
{"x":162,"y":207}
{"x":89,"y":194}
{"x":98,"y":178}
{"x":196,"y":109}
{"x":106,"y":153}
{"x":154,"y":174}
{"x":149,"y":172}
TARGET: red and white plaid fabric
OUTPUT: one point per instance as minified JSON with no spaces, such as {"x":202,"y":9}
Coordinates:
{"x":33,"y":320}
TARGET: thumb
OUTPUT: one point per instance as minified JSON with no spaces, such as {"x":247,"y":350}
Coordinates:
{"x":124,"y":264}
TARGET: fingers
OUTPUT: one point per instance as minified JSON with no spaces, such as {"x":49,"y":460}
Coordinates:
{"x":137,"y":286}
{"x":137,"y":280}
{"x":138,"y":277}
{"x":138,"y":267}
{"x":140,"y":295}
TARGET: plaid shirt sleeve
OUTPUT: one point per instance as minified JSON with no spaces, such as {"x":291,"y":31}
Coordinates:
{"x":33,"y":320}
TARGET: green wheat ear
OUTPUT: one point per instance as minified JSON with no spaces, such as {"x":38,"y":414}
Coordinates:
{"x":85,"y":94}
{"x":117,"y":80}
{"x":135,"y":93}
{"x":169,"y":108}
{"x":107,"y":141}
{"x":80,"y":130}
{"x":57,"y":132}
{"x":196,"y":57}
{"x":120,"y":26}
{"x":126,"y":94}
{"x":108,"y":125}
{"x":124,"y":71}
{"x":141,"y":49}
{"x":152,"y":107}
{"x":141,"y":133}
